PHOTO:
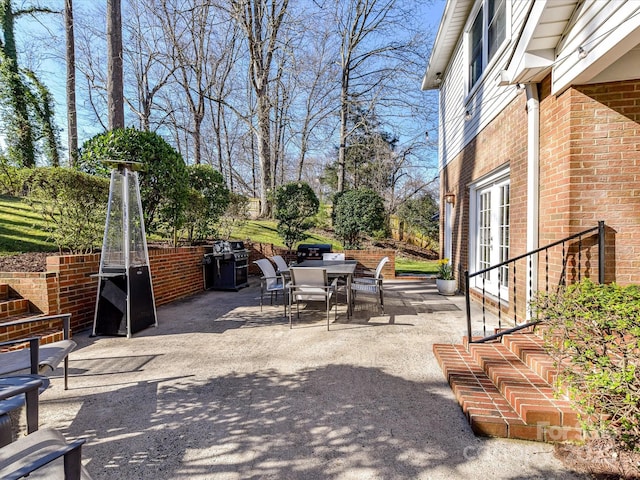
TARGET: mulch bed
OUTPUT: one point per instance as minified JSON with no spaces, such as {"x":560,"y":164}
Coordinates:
{"x":25,"y":262}
{"x":600,"y":459}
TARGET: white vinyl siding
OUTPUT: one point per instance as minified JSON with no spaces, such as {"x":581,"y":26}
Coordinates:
{"x":486,"y":101}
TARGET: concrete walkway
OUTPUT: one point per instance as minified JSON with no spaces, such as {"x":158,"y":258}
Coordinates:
{"x":221,"y":390}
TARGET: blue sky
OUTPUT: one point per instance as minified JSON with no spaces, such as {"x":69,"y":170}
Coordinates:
{"x":48,"y":61}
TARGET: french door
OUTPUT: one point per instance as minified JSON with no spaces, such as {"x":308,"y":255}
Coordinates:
{"x":492,"y":236}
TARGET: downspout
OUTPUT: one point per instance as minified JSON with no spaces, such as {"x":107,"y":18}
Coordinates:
{"x":533,"y":169}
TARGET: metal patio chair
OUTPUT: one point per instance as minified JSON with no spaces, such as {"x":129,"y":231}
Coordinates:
{"x":281,"y":265}
{"x":370,"y":285}
{"x":271,"y":282}
{"x":311,"y":284}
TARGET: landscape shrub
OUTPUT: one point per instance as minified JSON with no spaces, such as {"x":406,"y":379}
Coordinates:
{"x":294,"y":205}
{"x":73,"y":203}
{"x":164,"y":181}
{"x":208,"y":200}
{"x":421,"y":214}
{"x":235,"y":215}
{"x":11,"y":178}
{"x":356,"y":213}
{"x":594,"y":336}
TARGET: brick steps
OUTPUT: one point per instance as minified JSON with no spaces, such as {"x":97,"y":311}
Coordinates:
{"x":504,"y":389}
{"x":19,"y":308}
{"x":9,"y":308}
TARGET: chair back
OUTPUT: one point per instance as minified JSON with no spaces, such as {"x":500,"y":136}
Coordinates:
{"x":380,"y":266}
{"x":308,"y":283}
{"x":268,"y":272}
{"x":333,"y":256}
{"x":281,"y":265}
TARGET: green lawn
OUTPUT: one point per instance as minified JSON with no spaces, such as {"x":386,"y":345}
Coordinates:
{"x":23,"y":230}
{"x":264,"y":231}
{"x":406,"y":266}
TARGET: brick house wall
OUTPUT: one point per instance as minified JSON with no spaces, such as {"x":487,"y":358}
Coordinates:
{"x":590,"y":143}
{"x":502,"y":142}
{"x":589,"y":171}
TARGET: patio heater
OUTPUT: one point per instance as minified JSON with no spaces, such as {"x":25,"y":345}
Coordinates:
{"x":125,"y":303}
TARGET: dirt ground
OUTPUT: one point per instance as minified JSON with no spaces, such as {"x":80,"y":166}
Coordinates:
{"x":25,"y":262}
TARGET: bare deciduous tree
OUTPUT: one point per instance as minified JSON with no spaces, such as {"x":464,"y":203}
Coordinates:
{"x":261,"y":21}
{"x":369,"y":54}
{"x":147,"y":56}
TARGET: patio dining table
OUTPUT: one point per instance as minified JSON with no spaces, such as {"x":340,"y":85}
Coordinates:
{"x":335,"y":269}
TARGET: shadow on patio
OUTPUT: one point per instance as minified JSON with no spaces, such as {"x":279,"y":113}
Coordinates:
{"x":220,"y":390}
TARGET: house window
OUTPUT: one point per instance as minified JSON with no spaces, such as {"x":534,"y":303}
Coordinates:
{"x":487,"y":33}
{"x":490,"y":234}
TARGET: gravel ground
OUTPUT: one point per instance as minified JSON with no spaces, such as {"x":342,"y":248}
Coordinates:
{"x":221,"y":390}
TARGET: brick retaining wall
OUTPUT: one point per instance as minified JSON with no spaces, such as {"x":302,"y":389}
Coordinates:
{"x":69,"y":284}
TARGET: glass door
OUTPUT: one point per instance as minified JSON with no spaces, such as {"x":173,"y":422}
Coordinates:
{"x":492,"y":237}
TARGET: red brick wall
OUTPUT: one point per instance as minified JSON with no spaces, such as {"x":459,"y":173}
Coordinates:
{"x":503,"y":142}
{"x":69,"y":285}
{"x":176,"y":273}
{"x":77,"y":286}
{"x":41,"y":289}
{"x":590,"y":170}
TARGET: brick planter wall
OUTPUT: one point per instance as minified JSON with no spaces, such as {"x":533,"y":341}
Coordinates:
{"x":39,"y":288}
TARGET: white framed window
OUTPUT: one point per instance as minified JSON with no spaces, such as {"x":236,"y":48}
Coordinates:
{"x":486,"y":33}
{"x":489,"y":232}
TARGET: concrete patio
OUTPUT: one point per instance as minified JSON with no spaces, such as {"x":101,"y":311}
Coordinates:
{"x":220,"y":390}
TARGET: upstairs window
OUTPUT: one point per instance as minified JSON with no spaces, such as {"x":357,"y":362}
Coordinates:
{"x":486,"y":34}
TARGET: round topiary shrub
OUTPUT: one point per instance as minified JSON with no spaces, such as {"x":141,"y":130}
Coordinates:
{"x":164,"y":182}
{"x":294,"y":205}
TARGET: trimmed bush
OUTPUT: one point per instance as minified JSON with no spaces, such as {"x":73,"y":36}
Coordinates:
{"x":294,"y":205}
{"x":594,"y":336}
{"x":164,"y":182}
{"x":73,"y":203}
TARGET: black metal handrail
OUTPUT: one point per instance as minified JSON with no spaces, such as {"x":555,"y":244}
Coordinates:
{"x":529,"y":256}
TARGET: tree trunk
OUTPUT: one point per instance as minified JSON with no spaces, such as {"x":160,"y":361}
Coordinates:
{"x":115,"y":89}
{"x":344,"y":113}
{"x":264,"y":153}
{"x":72,"y":119}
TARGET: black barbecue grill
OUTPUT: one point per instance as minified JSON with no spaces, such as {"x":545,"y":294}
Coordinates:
{"x":226,"y":266}
{"x":312,"y":251}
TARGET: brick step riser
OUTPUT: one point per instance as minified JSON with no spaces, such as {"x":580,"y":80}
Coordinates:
{"x":530,"y":349}
{"x":4,"y":292}
{"x":487,"y":411}
{"x":528,"y":394}
{"x":11,"y":308}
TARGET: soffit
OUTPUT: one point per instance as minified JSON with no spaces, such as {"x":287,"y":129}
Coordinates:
{"x":451,"y":26}
{"x":542,"y":32}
